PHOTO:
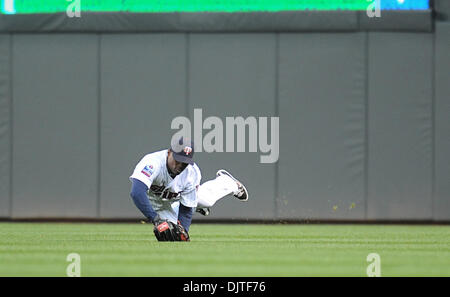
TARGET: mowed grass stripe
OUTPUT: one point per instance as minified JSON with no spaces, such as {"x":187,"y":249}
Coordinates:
{"x":40,"y":249}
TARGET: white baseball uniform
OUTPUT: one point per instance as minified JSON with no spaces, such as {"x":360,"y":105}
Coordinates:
{"x":166,"y":193}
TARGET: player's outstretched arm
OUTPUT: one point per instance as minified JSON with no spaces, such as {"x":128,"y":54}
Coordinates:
{"x":139,"y":196}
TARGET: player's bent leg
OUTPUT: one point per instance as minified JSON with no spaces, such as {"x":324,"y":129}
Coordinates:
{"x":223,"y":185}
{"x":213,"y":190}
{"x":170,"y":214}
{"x":241,"y":192}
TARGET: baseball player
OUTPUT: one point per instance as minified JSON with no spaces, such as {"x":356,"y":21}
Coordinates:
{"x":166,"y":189}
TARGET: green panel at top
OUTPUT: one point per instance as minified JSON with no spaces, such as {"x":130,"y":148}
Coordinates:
{"x":49,"y":6}
{"x":155,"y":6}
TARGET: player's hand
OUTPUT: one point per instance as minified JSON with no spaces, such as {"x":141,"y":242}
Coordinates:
{"x":157,"y":220}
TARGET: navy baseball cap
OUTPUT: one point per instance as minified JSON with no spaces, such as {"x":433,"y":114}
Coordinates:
{"x":183,"y":150}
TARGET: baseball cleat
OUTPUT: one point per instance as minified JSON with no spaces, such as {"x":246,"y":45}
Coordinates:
{"x":204,"y":211}
{"x":241,"y":193}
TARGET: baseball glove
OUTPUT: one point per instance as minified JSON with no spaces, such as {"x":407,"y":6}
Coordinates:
{"x":167,"y":231}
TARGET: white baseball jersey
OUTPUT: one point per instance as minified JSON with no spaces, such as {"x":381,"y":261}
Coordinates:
{"x":165,"y":193}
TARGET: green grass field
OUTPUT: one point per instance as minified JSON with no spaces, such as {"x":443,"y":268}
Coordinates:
{"x":38,"y":249}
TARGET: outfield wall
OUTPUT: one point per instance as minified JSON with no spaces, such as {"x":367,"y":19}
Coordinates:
{"x":364,"y":125}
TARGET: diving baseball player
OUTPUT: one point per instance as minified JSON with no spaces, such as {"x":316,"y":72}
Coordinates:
{"x":166,"y":189}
